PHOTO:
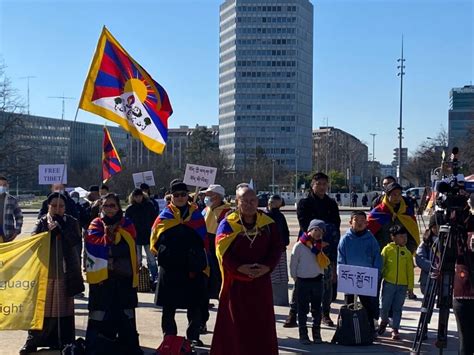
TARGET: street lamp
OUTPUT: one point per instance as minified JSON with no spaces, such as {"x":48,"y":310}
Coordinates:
{"x":373,"y":160}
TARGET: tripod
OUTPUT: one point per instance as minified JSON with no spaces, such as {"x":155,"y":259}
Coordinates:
{"x":440,"y":286}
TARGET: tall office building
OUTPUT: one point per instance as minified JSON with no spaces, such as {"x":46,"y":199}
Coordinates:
{"x":266,"y":82}
{"x":461,"y":114}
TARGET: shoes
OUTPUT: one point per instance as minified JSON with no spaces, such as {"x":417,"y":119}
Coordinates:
{"x":203,"y":329}
{"x":327,"y":321}
{"x":382,"y":327}
{"x":412,"y":297}
{"x":317,"y":335}
{"x":290,"y":322}
{"x":305,"y":341}
{"x":26,"y":349}
{"x":395,"y":335}
{"x":196,"y":342}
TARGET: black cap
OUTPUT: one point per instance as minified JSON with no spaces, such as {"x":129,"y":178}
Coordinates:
{"x":94,"y":188}
{"x":392,"y":187}
{"x":144,"y":186}
{"x":178,"y":185}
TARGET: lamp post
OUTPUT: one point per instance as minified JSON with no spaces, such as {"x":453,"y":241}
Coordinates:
{"x":373,"y":161}
{"x":400,"y":128}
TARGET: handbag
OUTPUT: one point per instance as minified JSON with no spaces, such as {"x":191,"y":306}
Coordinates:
{"x":143,"y":279}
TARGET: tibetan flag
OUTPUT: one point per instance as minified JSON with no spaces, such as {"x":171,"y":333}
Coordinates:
{"x":111,"y":164}
{"x":120,"y":90}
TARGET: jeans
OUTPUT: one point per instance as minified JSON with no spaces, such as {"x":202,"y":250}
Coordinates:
{"x":309,"y":292}
{"x":464,"y":311}
{"x":150,"y":260}
{"x":393,"y":296}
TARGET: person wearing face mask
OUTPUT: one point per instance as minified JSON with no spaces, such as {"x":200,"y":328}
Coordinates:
{"x":279,"y":275}
{"x":215,"y":211}
{"x":11,"y":217}
{"x":70,"y":204}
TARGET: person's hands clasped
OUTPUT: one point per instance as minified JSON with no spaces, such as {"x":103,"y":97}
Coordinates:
{"x":253,"y":270}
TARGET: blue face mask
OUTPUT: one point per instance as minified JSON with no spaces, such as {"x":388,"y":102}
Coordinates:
{"x":3,"y":189}
{"x":207,"y":201}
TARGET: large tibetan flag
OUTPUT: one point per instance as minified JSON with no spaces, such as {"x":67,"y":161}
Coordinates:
{"x":111,"y":164}
{"x":119,"y":89}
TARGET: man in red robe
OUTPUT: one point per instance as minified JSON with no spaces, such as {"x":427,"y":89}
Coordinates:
{"x":248,"y":247}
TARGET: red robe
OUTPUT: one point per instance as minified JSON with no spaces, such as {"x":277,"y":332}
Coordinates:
{"x":245,"y":323}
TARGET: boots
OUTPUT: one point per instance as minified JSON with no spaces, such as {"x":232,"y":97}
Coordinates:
{"x":290,"y":322}
{"x":317,"y":335}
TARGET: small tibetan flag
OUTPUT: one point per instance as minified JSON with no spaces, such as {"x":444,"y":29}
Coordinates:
{"x":111,"y":164}
{"x":120,"y":90}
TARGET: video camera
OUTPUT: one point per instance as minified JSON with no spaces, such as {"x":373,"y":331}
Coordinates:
{"x":453,"y":190}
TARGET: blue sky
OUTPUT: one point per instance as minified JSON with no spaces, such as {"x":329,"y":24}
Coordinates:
{"x":356,"y":44}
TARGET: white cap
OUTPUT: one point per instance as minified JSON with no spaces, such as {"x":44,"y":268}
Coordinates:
{"x":218,"y":189}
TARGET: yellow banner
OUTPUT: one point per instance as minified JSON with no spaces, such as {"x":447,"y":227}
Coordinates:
{"x":23,"y":281}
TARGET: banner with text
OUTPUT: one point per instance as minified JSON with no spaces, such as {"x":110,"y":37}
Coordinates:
{"x":357,"y":280}
{"x":52,"y":174}
{"x":198,"y":175}
{"x":144,"y":177}
{"x":23,"y":281}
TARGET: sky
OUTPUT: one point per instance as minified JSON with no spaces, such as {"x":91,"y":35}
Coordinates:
{"x":356,"y":46}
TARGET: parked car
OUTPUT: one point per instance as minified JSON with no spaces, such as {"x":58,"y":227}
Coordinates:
{"x":416,"y":192}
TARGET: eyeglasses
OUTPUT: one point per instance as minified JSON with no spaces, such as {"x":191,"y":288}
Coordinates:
{"x":180,"y":194}
{"x":109,"y":205}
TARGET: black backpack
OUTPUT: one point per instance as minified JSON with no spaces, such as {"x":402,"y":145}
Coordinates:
{"x":353,"y":327}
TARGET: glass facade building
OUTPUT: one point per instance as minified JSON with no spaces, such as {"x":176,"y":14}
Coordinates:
{"x":461,"y":115}
{"x":265,"y":82}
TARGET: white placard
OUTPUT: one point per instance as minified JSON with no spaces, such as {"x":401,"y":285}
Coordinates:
{"x":52,"y":174}
{"x":198,"y":175}
{"x":357,"y":280}
{"x":144,"y":177}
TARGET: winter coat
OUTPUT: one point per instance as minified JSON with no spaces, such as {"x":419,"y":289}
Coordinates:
{"x":182,"y":259}
{"x":142,"y":215}
{"x":397,"y":265}
{"x":424,"y":260}
{"x":359,"y":250}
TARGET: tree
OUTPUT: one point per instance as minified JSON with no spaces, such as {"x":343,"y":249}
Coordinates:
{"x":16,"y":158}
{"x":337,"y":180}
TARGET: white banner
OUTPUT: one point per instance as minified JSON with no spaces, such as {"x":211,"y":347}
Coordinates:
{"x":144,"y":177}
{"x":198,"y":175}
{"x":52,"y":174}
{"x":357,"y":280}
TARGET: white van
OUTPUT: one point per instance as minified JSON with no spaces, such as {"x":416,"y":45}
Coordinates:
{"x":416,"y":192}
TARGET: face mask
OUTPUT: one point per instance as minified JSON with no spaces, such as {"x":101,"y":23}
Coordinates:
{"x":3,"y":189}
{"x":75,"y":199}
{"x":207,"y":201}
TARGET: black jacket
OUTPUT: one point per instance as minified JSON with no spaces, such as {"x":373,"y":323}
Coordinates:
{"x":182,"y":259}
{"x":325,"y":209}
{"x":282,"y":225}
{"x":70,"y":207}
{"x":143,"y":216}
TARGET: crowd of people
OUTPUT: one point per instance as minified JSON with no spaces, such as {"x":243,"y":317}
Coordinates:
{"x":198,"y":250}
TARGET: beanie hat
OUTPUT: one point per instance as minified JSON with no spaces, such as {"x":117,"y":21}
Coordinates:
{"x":317,"y":223}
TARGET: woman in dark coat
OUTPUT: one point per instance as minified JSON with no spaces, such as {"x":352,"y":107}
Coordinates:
{"x":178,"y":238}
{"x":143,"y":214}
{"x":112,"y":275}
{"x":64,"y":278}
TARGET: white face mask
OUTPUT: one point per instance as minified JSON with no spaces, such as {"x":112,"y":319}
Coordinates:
{"x":208,"y":201}
{"x":75,"y":199}
{"x":3,"y":189}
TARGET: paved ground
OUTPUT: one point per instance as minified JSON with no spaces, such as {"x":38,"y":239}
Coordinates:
{"x":149,"y":320}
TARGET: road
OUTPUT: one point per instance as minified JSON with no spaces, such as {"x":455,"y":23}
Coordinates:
{"x":149,"y":320}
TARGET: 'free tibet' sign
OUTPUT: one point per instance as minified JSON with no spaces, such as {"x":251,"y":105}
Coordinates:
{"x":52,"y":174}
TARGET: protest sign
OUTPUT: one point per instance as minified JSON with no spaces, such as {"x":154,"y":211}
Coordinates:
{"x":23,"y":282}
{"x":143,"y":177}
{"x":52,"y":174}
{"x":200,"y":176}
{"x":357,"y":280}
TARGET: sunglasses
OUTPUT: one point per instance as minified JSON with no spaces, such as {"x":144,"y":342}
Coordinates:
{"x":109,"y":205}
{"x":180,"y":194}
